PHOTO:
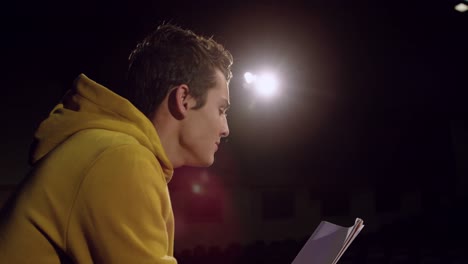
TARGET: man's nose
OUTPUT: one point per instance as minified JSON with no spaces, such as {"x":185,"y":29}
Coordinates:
{"x":225,"y":129}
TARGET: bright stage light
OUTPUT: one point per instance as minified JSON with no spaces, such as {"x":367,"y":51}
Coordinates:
{"x":266,"y":84}
{"x":461,"y":7}
{"x":249,"y":77}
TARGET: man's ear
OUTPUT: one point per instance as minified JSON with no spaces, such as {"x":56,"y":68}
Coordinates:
{"x":180,"y":101}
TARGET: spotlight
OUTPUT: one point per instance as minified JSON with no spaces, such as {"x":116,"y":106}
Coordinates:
{"x":461,"y":7}
{"x":265,"y":84}
{"x":249,"y":77}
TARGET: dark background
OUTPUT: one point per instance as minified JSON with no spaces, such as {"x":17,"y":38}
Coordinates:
{"x":369,"y":89}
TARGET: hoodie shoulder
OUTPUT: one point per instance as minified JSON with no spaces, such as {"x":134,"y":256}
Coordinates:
{"x":91,"y":106}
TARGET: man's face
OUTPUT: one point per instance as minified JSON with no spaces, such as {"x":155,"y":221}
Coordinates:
{"x":204,"y":127}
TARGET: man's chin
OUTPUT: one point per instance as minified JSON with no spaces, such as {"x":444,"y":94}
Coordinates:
{"x":207,"y":164}
{"x":202,"y":163}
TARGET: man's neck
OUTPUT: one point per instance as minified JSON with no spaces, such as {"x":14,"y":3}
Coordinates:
{"x":167,"y":131}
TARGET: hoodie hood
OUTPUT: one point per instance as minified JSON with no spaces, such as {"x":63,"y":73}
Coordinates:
{"x":89,"y":105}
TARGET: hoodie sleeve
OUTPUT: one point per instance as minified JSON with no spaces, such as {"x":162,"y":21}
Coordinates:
{"x":122,"y":212}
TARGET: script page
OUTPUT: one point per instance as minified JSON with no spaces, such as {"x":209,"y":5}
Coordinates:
{"x":323,"y":246}
{"x":326,"y":244}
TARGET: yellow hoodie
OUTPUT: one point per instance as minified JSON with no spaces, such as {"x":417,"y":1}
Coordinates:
{"x":98,"y":189}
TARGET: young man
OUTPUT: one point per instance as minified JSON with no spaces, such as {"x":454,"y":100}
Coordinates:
{"x":101,"y":163}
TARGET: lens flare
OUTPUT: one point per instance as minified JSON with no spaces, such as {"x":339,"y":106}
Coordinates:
{"x":196,"y":188}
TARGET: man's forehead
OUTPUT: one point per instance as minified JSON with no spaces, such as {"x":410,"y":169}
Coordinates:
{"x":222,"y":87}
